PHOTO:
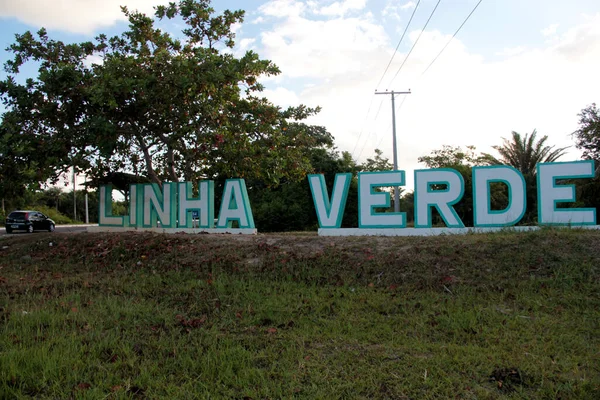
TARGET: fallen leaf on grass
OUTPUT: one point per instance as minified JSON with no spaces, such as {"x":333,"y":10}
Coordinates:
{"x":192,"y":322}
{"x":83,"y":386}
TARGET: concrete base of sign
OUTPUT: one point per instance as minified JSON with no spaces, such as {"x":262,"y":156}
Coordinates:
{"x":234,"y":231}
{"x":434,"y":231}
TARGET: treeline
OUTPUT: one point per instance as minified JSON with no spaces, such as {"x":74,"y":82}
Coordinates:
{"x":61,"y":206}
{"x":157,"y":108}
{"x":289,"y":206}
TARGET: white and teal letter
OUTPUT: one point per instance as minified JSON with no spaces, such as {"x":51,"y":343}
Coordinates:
{"x":426,"y":196}
{"x":235,"y":205}
{"x":517,"y":200}
{"x":204,"y":204}
{"x":159,"y":204}
{"x":330,"y":213}
{"x":369,"y":199}
{"x":106,"y":218}
{"x":550,"y":193}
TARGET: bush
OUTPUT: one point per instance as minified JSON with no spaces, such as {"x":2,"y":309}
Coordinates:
{"x":52,"y":213}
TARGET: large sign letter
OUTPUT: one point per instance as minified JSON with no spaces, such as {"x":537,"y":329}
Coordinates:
{"x":517,"y":200}
{"x":427,"y":196}
{"x":235,"y":205}
{"x":550,"y":193}
{"x":159,"y":204}
{"x":330,"y":213}
{"x":204,"y":204}
{"x":106,"y":218}
{"x":369,"y":199}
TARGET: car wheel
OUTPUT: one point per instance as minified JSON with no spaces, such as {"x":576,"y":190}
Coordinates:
{"x":51,"y":228}
{"x":30,"y":229}
{"x":8,"y":230}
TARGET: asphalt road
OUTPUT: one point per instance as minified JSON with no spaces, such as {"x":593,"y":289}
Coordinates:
{"x":59,"y":228}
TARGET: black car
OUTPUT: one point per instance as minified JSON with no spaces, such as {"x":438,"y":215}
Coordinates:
{"x":28,"y":220}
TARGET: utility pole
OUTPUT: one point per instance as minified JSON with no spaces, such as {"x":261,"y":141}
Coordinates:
{"x":396,"y":189}
{"x":74,"y":197}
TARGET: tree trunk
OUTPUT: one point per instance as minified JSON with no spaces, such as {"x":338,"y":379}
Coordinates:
{"x":171,"y":164}
{"x":148,"y":159}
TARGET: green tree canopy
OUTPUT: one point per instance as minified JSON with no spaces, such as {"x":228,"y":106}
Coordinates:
{"x":453,"y":157}
{"x":587,"y":137}
{"x":377,"y":163}
{"x":524,"y":153}
{"x":462,"y":160}
{"x":153,"y":104}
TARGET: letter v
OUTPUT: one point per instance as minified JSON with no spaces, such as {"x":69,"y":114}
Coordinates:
{"x":330,"y":213}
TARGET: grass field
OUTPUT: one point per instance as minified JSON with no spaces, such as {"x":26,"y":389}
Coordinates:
{"x":116,"y":316}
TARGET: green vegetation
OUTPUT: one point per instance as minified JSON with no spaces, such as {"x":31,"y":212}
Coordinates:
{"x":507,"y":315}
{"x":156,"y":105}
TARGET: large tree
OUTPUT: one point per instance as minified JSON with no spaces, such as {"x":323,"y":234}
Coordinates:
{"x":587,"y":137}
{"x":155,"y":105}
{"x":463,"y":161}
{"x":524,"y":153}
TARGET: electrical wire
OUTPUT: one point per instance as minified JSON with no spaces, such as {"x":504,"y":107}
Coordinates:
{"x":453,"y":36}
{"x":399,"y":42}
{"x":416,"y":41}
{"x":367,"y":138}
{"x":363,"y":125}
{"x":379,"y":83}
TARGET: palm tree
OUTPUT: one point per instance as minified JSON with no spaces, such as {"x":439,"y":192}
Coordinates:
{"x":525,"y":153}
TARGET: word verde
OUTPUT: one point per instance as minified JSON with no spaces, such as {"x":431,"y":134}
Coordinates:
{"x":442,"y":188}
{"x":175,"y":205}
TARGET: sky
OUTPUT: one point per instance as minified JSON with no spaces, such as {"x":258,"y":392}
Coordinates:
{"x":516,"y":65}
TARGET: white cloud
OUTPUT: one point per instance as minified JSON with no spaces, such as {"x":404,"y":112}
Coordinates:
{"x":93,"y":59}
{"x":79,"y":16}
{"x":283,"y":8}
{"x":341,"y":8}
{"x":323,"y":49}
{"x":581,"y":42}
{"x":551,"y":30}
{"x":393,"y":9}
{"x":511,"y":51}
{"x":463,"y":99}
{"x":409,"y":5}
{"x":282,"y":97}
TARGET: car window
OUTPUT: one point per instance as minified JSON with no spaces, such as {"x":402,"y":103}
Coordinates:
{"x":17,"y":215}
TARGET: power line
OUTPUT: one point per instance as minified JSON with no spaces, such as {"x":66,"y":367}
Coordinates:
{"x":379,"y":83}
{"x":453,"y":36}
{"x":401,"y":38}
{"x":416,"y":41}
{"x":363,"y":124}
{"x":367,"y":138}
